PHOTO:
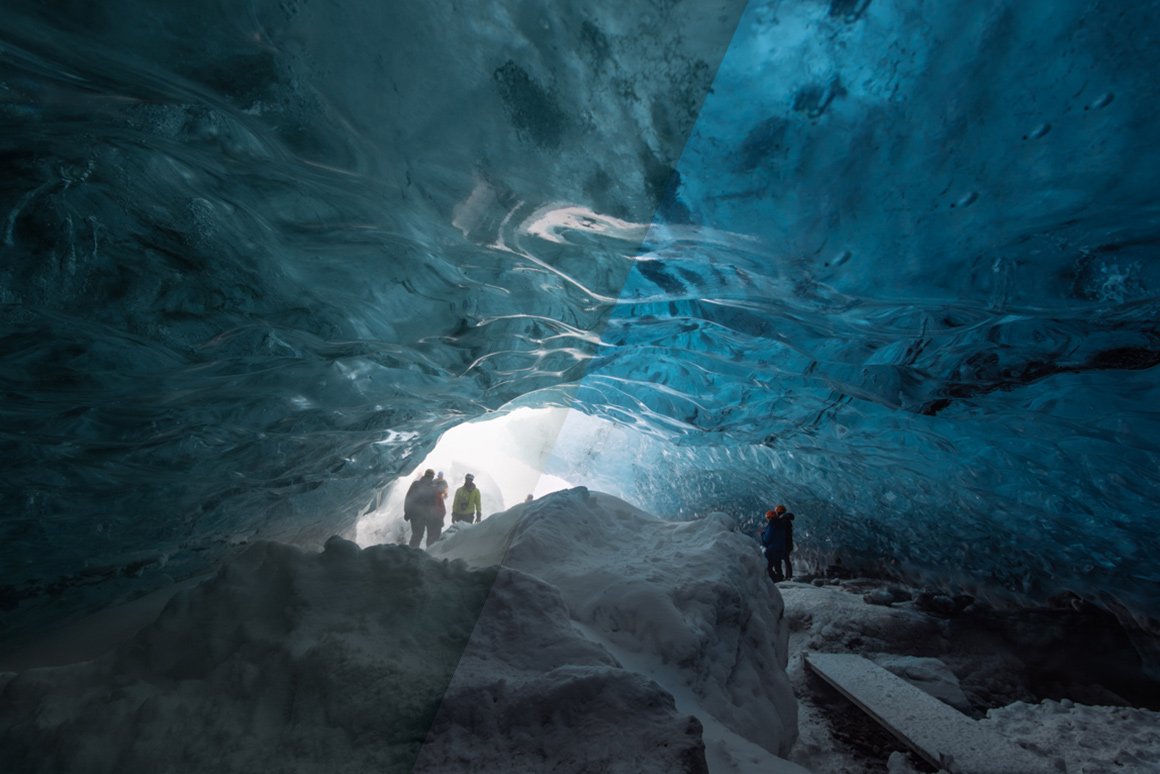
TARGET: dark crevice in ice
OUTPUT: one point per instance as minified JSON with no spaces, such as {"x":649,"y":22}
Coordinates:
{"x":1120,"y":358}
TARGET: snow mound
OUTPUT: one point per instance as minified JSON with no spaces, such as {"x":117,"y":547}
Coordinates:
{"x":687,"y":603}
{"x":1083,"y":738}
{"x":283,"y":661}
{"x":576,"y":634}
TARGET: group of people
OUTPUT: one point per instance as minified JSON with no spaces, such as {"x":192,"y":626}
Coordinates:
{"x":425,"y":505}
{"x":777,"y":543}
{"x":425,"y":508}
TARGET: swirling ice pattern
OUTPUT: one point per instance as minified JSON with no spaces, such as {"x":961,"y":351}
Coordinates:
{"x":256,"y":259}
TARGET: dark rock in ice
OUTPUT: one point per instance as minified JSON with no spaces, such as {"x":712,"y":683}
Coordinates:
{"x":943,"y":604}
{"x":899,"y":594}
{"x":840,"y":571}
{"x":879,"y":597}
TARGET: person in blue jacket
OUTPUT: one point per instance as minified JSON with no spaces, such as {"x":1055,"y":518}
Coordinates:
{"x":777,"y":543}
{"x":785,"y":521}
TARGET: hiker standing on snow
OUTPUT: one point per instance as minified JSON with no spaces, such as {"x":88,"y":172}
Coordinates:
{"x":465,"y":506}
{"x":441,"y":488}
{"x":777,"y":542}
{"x":419,"y":509}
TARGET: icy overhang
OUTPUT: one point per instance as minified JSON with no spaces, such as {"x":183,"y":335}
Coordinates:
{"x":893,"y":265}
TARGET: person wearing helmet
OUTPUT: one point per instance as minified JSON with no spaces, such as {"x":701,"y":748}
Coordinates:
{"x":465,"y":506}
{"x":777,"y":543}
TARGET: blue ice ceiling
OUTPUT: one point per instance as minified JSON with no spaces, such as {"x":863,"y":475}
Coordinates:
{"x":894,"y":263}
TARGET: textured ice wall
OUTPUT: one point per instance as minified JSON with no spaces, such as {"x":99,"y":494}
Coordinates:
{"x":257,"y":255}
{"x":913,"y":254}
{"x":892,"y":264}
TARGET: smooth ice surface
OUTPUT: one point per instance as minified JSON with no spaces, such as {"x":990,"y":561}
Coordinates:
{"x":894,"y":264}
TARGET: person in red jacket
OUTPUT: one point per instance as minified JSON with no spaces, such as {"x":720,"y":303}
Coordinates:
{"x":440,"y":496}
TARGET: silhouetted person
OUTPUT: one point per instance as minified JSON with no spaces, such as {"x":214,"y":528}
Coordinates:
{"x":785,"y":519}
{"x":777,"y":541}
{"x":419,"y":509}
{"x":466,"y":505}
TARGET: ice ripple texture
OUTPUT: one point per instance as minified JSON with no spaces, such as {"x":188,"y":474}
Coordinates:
{"x":895,"y":265}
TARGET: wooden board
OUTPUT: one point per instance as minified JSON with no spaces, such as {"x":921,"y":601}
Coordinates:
{"x":938,"y":732}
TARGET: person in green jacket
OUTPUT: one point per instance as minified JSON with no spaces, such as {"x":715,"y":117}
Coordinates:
{"x":465,"y":506}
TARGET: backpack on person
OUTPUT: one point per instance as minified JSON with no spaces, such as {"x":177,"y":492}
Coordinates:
{"x":419,"y":498}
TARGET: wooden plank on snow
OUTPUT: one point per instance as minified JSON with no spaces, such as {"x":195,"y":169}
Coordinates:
{"x":938,"y":732}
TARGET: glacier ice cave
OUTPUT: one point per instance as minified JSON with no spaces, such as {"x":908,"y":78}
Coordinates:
{"x":894,"y":263}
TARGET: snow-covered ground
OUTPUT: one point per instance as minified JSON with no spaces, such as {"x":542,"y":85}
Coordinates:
{"x":966,"y":667}
{"x":574,"y":633}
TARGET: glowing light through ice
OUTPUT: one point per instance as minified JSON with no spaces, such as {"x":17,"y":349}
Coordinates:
{"x":508,"y":455}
